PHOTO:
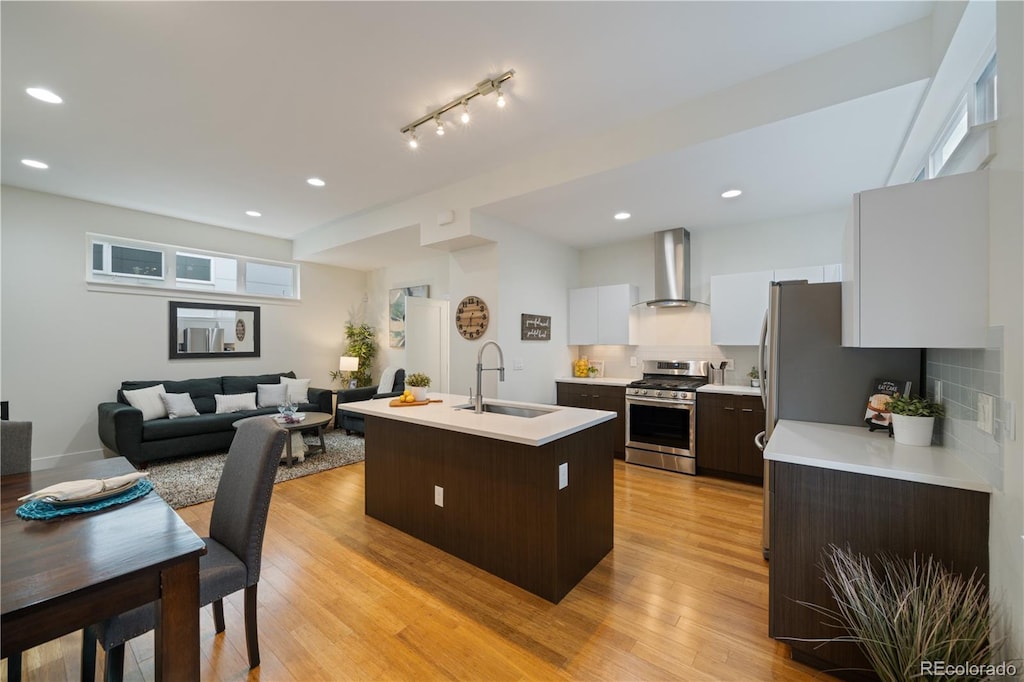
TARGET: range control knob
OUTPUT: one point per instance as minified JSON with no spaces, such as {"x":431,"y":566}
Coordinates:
{"x":642,"y":391}
{"x":660,"y":394}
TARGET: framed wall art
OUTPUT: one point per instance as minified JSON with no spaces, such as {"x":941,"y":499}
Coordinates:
{"x":396,"y":312}
{"x":535,"y":327}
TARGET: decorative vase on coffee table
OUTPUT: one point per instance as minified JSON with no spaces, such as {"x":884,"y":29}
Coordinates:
{"x":912,"y":430}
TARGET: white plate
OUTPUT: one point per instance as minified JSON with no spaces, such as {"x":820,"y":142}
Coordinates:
{"x":106,"y":494}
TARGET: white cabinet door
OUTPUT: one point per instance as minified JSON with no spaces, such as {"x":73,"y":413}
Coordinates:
{"x":814,"y":274}
{"x":738,"y":304}
{"x":918,"y":269}
{"x":601,"y":315}
{"x":583,"y":316}
{"x":613,"y":306}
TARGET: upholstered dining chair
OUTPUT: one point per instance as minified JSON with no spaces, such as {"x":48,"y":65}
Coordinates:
{"x":233,"y":549}
{"x":15,"y":447}
{"x":15,"y":458}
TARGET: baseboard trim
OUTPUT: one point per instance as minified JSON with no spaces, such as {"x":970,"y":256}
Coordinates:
{"x":55,"y":461}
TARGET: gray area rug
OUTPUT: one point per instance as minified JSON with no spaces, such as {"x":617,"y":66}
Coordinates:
{"x":190,"y":480}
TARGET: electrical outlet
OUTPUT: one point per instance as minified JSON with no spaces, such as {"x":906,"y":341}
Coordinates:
{"x":729,"y":363}
{"x":517,"y":364}
{"x":438,"y":496}
{"x":563,"y":475}
{"x":985,"y":412}
{"x":632,"y":361}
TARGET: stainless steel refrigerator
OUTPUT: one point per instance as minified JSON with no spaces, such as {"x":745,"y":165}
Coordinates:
{"x":807,"y":375}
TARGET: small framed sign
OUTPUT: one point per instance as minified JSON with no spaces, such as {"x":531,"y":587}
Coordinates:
{"x":535,"y":327}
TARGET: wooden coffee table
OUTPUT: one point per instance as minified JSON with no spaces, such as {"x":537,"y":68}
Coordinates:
{"x":313,"y":420}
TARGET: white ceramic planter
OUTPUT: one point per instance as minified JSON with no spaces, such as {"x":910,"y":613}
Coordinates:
{"x":419,"y":393}
{"x":912,"y":430}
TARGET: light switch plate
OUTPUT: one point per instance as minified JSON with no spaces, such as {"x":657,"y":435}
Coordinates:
{"x":517,"y":364}
{"x":563,"y":475}
{"x":438,"y":496}
{"x":632,"y":361}
{"x":985,"y":412}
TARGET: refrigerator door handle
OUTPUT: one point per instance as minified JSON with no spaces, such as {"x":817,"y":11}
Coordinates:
{"x":761,"y":349}
{"x":759,"y":441}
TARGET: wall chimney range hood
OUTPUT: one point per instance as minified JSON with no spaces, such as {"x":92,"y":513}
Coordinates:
{"x":671,"y":269}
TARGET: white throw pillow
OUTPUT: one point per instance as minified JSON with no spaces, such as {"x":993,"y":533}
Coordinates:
{"x":235,"y":402}
{"x":387,"y":380}
{"x":271,"y":395}
{"x":148,"y":400}
{"x":298,"y":389}
{"x":179,"y":405}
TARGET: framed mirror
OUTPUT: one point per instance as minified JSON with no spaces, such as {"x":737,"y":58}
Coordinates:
{"x":213,"y":330}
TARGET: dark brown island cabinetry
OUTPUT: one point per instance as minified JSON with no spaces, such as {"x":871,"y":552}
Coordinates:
{"x":598,"y":397}
{"x":726,"y":426}
{"x":540,"y":517}
{"x":812,"y":507}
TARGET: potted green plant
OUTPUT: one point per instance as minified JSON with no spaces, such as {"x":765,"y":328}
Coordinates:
{"x":906,"y":613}
{"x":913,"y":419}
{"x":418,"y":383}
{"x":362,"y":343}
{"x":755,"y":378}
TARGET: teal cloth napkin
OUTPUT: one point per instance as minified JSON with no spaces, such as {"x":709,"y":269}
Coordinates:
{"x":40,"y":510}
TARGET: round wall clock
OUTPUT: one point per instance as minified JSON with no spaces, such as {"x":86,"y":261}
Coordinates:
{"x":471,"y":317}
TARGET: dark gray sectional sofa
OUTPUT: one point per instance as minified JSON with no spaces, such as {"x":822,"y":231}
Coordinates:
{"x":122,"y":430}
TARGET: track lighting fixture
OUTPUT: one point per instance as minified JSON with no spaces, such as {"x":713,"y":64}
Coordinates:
{"x":484,"y":87}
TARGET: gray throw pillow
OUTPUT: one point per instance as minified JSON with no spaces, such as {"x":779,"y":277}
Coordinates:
{"x":179,"y":405}
{"x":271,"y":395}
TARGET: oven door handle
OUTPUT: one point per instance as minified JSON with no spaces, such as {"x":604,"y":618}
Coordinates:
{"x":685,"y":405}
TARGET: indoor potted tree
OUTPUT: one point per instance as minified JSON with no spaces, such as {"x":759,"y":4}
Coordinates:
{"x":362,"y":343}
{"x":913,"y":419}
{"x":418,"y":383}
{"x":755,"y":378}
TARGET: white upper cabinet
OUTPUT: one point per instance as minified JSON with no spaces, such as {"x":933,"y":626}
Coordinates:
{"x":915,"y":265}
{"x":738,"y":302}
{"x":601,"y":315}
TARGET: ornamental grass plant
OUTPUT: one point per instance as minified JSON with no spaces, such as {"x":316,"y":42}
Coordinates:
{"x":904,"y":612}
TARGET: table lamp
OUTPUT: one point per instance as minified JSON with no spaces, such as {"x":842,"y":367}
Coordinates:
{"x":348,"y":363}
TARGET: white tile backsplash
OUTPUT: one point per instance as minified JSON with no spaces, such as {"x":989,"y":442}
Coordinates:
{"x":964,"y":374}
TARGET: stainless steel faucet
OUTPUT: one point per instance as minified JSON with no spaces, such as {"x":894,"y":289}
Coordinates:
{"x":478,"y":401}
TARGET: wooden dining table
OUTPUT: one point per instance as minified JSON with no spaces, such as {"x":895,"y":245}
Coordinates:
{"x":61,"y":575}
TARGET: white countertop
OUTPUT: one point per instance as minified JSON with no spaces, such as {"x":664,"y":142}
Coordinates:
{"x":606,"y":381}
{"x":558,"y":423}
{"x":729,"y":388}
{"x":857,"y":450}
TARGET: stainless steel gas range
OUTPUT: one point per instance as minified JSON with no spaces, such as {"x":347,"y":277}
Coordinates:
{"x":661,"y":414}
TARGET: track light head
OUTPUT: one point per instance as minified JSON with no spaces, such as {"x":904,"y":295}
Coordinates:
{"x":414,"y":141}
{"x":501,"y":98}
{"x":465,"y":113}
{"x":439,"y":129}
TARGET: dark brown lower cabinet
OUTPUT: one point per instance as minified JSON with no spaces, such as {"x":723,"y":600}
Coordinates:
{"x":726,"y":426}
{"x":501,"y":507}
{"x":598,"y":397}
{"x":812,"y":507}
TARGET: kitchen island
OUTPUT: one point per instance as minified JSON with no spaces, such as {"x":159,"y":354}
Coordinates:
{"x":526,"y":498}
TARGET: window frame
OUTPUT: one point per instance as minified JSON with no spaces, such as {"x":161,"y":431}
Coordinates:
{"x":169,"y":282}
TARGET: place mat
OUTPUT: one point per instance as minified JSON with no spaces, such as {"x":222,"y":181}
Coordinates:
{"x":39,"y":510}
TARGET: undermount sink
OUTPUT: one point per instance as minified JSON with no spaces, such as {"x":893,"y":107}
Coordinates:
{"x":510,"y":410}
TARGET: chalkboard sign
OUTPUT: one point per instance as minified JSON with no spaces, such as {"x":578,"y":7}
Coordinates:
{"x":536,"y":327}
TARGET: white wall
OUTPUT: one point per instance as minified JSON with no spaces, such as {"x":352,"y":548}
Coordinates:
{"x":64,"y":349}
{"x":534,"y":276}
{"x":1006,"y":308}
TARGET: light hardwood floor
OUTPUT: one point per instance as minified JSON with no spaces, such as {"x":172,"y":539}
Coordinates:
{"x":682,"y":596}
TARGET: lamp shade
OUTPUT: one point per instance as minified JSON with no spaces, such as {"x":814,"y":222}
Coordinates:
{"x":348,"y":363}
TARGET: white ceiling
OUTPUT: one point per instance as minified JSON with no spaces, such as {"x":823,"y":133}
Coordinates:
{"x":204,"y":110}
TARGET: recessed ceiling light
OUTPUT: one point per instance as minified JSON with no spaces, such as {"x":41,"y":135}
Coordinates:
{"x":732,"y":193}
{"x":622,"y":215}
{"x":253,"y":214}
{"x":32,"y":163}
{"x":44,"y":95}
{"x":316,"y":182}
